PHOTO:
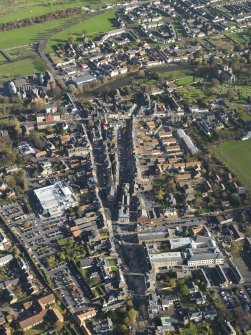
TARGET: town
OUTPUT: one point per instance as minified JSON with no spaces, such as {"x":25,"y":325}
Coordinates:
{"x":125,"y":174}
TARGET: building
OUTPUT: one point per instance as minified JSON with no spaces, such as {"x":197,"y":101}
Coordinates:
{"x":5,"y":260}
{"x":77,"y":152}
{"x":80,"y":318}
{"x":32,"y":321}
{"x":186,"y":140}
{"x":165,"y":260}
{"x":55,"y":199}
{"x":83,"y":80}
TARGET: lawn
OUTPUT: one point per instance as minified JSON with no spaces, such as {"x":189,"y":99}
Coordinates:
{"x":90,"y":27}
{"x":2,"y":58}
{"x":195,"y":329}
{"x":21,"y":68}
{"x":237,"y":156}
{"x":172,"y":75}
{"x":184,"y":81}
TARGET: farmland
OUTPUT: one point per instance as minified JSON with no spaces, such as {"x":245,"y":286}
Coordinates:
{"x":28,"y":9}
{"x":91,"y":27}
{"x":237,"y":157}
{"x":28,"y":35}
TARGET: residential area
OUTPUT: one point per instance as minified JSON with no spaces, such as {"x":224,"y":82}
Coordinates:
{"x":125,"y":174}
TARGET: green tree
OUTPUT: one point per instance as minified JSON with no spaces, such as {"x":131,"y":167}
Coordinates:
{"x":15,"y":252}
{"x":72,"y":38}
{"x":184,"y":290}
{"x":172,"y":282}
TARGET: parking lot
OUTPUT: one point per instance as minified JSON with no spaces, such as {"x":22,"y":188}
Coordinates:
{"x":40,"y":236}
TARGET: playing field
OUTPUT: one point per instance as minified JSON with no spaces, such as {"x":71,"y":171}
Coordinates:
{"x":237,"y":157}
{"x":90,"y":27}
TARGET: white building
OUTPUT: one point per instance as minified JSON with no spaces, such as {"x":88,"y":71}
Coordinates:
{"x":55,"y":199}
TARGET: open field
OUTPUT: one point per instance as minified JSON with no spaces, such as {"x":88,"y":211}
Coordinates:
{"x":29,"y":35}
{"x":91,"y":27}
{"x":184,"y":81}
{"x":172,"y":75}
{"x":21,"y":9}
{"x":237,"y":157}
{"x":21,"y":68}
{"x":2,"y":58}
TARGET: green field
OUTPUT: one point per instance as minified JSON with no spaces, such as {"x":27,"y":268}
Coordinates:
{"x":237,"y":157}
{"x":28,"y":35}
{"x":184,"y":81}
{"x":91,"y":27}
{"x":21,"y":68}
{"x":28,"y":9}
{"x":172,"y":75}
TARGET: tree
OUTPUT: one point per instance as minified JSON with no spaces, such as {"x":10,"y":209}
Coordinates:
{"x":72,"y":88}
{"x":36,"y":139}
{"x":172,"y":282}
{"x":72,"y":38}
{"x":161,"y":194}
{"x":184,"y":290}
{"x":121,"y":329}
{"x":231,"y":94}
{"x":130,"y":318}
{"x":15,"y":252}
{"x":215,"y":82}
{"x":235,"y":200}
{"x":62,"y":257}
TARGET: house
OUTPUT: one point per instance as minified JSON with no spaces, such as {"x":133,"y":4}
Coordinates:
{"x":209,"y":313}
{"x":32,"y":321}
{"x":194,"y":314}
{"x":46,"y":301}
{"x":77,"y":152}
{"x":103,"y":327}
{"x":80,"y":318}
{"x":198,"y":298}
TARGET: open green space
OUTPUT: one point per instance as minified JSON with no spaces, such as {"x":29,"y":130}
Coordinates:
{"x":34,"y":8}
{"x":2,"y":58}
{"x":21,"y":68}
{"x":27,"y":9}
{"x":28,"y":35}
{"x":173,"y":75}
{"x":237,"y":157}
{"x":91,"y":28}
{"x":196,"y":329}
{"x":184,"y":81}
{"x":193,"y":94}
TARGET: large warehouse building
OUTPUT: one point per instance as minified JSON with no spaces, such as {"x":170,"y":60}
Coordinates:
{"x":55,"y":199}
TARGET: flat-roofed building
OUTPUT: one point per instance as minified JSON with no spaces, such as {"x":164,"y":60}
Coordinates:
{"x":165,"y":260}
{"x":55,"y":199}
